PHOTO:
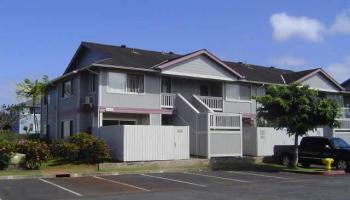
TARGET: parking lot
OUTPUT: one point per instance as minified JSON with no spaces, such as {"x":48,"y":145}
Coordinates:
{"x":187,"y":185}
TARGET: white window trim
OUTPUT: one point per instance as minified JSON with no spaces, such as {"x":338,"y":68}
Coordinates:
{"x":132,"y":93}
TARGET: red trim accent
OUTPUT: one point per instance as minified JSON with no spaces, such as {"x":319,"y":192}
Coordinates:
{"x":196,"y":53}
{"x":249,"y":115}
{"x":136,"y":110}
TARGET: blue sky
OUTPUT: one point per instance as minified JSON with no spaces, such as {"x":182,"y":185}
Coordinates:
{"x":40,"y":37}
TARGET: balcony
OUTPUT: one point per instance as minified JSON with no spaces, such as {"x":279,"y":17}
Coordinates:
{"x":214,"y":103}
{"x":344,"y":123}
{"x":225,"y":121}
{"x":167,"y":100}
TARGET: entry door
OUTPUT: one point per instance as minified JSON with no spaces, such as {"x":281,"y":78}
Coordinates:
{"x":204,"y":90}
{"x":181,"y":143}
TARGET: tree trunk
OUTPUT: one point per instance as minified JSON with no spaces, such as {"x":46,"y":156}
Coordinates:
{"x":34,"y":115}
{"x":296,"y":151}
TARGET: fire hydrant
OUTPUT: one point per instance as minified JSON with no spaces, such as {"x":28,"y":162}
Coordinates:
{"x":328,"y":163}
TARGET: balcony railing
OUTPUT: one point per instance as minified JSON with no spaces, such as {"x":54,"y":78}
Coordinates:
{"x":225,"y":121}
{"x":215,"y":103}
{"x":168,"y":100}
{"x":344,"y":123}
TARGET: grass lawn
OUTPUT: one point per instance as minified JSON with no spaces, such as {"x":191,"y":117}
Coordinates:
{"x":53,"y":167}
{"x":277,"y":167}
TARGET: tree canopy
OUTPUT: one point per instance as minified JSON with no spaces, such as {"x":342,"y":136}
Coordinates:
{"x":297,"y":108}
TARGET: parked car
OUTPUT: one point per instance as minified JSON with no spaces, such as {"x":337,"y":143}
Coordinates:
{"x":313,"y":149}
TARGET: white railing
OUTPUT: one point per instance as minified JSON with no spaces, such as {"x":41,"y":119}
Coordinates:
{"x":215,"y":103}
{"x":344,"y":123}
{"x":225,"y":121}
{"x":346,"y":112}
{"x":168,"y":100}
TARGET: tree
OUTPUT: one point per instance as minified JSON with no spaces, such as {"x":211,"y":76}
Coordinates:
{"x":297,"y":108}
{"x":33,"y":90}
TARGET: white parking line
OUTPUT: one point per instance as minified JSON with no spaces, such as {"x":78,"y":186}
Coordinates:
{"x":253,"y":174}
{"x":218,"y":177}
{"x":174,"y":180}
{"x":63,"y":188}
{"x":125,"y":184}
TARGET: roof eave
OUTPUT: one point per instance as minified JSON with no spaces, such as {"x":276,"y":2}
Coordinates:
{"x":324,"y":73}
{"x":196,"y":53}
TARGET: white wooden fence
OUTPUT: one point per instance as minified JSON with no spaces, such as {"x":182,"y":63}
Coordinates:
{"x":146,"y":143}
{"x":260,"y":141}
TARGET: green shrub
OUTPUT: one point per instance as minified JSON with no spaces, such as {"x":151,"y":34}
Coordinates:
{"x":65,"y":150}
{"x":6,"y":149}
{"x":36,"y":153}
{"x":8,"y":135}
{"x":91,"y":149}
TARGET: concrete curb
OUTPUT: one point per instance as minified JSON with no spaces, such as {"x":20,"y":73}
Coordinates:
{"x":76,"y":175}
{"x":322,"y":173}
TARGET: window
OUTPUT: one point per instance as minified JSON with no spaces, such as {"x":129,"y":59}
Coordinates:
{"x":244,"y":92}
{"x":92,"y":82}
{"x":67,"y":89}
{"x":66,"y":128}
{"x":240,"y":92}
{"x":125,"y":83}
{"x":232,"y":92}
{"x":204,"y":90}
{"x":111,"y":122}
{"x":166,"y":85}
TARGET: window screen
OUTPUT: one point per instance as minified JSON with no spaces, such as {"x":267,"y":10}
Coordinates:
{"x":232,"y":91}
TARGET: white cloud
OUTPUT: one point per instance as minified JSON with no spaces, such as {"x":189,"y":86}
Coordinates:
{"x":289,"y":61}
{"x":340,"y":70}
{"x":285,"y":27}
{"x":341,"y":23}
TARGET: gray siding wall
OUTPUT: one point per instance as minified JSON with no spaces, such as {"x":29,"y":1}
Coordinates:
{"x":68,"y":107}
{"x":200,"y":66}
{"x":63,"y":109}
{"x":240,"y":107}
{"x":155,"y":119}
{"x":149,"y":100}
{"x":320,"y":82}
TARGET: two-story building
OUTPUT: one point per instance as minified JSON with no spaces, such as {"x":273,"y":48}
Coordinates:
{"x":27,"y":123}
{"x":108,"y":85}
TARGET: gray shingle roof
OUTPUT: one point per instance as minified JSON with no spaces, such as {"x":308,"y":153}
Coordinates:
{"x":259,"y":73}
{"x":294,"y":76}
{"x":146,"y":59}
{"x":130,"y":57}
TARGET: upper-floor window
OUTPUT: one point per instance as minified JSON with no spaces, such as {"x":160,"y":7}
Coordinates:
{"x":92,"y":82}
{"x":67,"y":89}
{"x":125,"y":83}
{"x":240,"y":92}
